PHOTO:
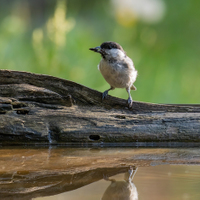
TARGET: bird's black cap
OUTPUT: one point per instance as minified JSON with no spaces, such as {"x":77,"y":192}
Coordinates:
{"x":111,"y":45}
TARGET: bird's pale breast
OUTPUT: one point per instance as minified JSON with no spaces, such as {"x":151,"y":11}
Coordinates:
{"x":118,"y":75}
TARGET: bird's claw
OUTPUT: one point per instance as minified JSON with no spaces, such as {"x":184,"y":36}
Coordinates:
{"x":105,"y":94}
{"x":105,"y":177}
{"x":130,"y":102}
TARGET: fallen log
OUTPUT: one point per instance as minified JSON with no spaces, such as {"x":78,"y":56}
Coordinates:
{"x":42,"y":109}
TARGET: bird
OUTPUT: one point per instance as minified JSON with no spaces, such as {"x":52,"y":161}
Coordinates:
{"x":122,"y":190}
{"x":117,"y":68}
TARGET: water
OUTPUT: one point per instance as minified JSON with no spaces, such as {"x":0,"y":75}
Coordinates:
{"x":160,"y":182}
{"x":107,"y":173}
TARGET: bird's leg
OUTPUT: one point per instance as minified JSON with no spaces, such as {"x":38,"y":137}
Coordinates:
{"x":130,"y":101}
{"x":105,"y":94}
{"x":129,"y":175}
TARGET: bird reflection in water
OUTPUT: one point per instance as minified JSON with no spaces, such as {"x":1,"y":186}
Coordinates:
{"x":122,"y":190}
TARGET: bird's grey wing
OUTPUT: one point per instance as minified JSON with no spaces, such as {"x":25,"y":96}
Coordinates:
{"x":127,"y":63}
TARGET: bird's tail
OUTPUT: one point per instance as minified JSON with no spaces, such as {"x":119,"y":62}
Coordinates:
{"x":133,"y":87}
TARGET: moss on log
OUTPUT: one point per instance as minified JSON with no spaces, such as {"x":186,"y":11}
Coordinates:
{"x":41,"y":109}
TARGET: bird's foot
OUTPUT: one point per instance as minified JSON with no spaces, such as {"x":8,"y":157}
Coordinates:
{"x":130,"y":102}
{"x":105,"y":177}
{"x":105,"y":94}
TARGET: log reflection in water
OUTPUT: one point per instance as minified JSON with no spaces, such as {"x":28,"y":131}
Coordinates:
{"x":27,"y":184}
{"x":31,"y":173}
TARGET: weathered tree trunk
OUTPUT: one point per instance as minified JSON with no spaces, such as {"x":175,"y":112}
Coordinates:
{"x":41,"y":109}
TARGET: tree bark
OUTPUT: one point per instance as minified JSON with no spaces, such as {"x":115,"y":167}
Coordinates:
{"x":41,"y":109}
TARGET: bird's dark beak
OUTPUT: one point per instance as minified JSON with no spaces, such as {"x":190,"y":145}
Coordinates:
{"x":96,"y":49}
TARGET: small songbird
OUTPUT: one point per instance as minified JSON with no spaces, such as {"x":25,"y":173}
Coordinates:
{"x":122,"y":190}
{"x":116,"y":67}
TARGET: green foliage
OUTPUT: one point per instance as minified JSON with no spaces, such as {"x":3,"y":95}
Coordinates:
{"x":166,"y":53}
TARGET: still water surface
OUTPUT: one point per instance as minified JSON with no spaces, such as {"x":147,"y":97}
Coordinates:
{"x":90,"y":174}
{"x":152,"y":183}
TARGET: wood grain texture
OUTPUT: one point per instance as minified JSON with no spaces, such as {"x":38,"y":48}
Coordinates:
{"x":43,"y":109}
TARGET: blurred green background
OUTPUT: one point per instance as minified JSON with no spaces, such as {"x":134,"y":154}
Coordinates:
{"x":54,"y":36}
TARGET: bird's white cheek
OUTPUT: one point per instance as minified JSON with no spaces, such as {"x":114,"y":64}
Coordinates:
{"x":115,"y":53}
